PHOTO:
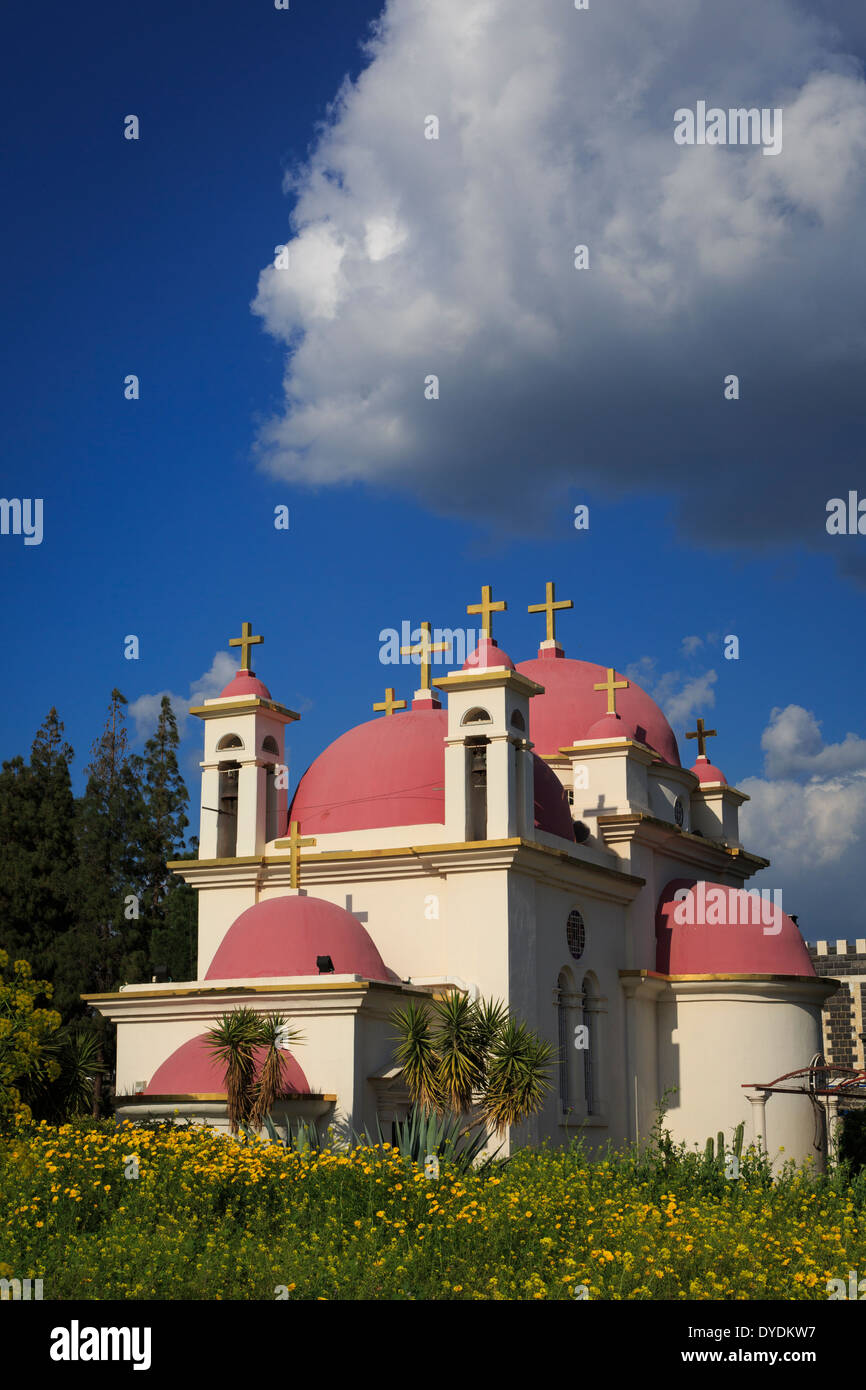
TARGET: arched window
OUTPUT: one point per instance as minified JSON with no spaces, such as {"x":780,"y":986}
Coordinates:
{"x":270,"y":745}
{"x":518,"y":722}
{"x":592,"y":1017}
{"x":568,"y":1015}
{"x":229,"y":741}
{"x":476,"y":715}
{"x":476,"y":789}
{"x":227,"y":820}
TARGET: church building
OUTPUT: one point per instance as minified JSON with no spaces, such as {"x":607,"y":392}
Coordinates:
{"x":526,"y":832}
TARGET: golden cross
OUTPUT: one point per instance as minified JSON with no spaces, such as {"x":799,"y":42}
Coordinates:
{"x":702,"y":734}
{"x":550,"y":608}
{"x":389,"y":704}
{"x":611,"y":686}
{"x":487,"y":608}
{"x":245,"y":642}
{"x":425,"y":647}
{"x":294,"y":844}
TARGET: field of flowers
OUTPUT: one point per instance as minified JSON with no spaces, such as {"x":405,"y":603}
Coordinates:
{"x":208,"y":1217}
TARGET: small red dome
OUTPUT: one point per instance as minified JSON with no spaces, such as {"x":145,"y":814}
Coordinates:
{"x":609,"y":726}
{"x":283,"y":936}
{"x":392,"y":772}
{"x":193,"y":1070}
{"x":487,"y":656}
{"x":706,"y":772}
{"x":246,"y":683}
{"x":569,"y":708}
{"x":713,"y":929}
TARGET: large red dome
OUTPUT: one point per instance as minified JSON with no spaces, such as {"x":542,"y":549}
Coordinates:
{"x":192,"y":1070}
{"x":283,"y":936}
{"x":717,"y":930}
{"x":391,"y":771}
{"x":570,"y":707}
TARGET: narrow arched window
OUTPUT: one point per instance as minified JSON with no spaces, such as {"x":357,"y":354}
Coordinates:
{"x":518,"y":722}
{"x":568,"y":1012}
{"x":591,"y":1010}
{"x":270,"y":745}
{"x":227,"y":823}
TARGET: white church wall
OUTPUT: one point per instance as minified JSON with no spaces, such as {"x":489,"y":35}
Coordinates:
{"x":716,"y":1035}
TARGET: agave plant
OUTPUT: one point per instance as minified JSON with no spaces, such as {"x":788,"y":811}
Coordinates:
{"x":422,"y":1134}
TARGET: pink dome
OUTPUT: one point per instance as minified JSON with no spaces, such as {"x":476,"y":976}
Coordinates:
{"x":283,"y":936}
{"x":751,"y":938}
{"x":570,"y":707}
{"x":192,"y":1070}
{"x":706,"y":772}
{"x":609,"y":726}
{"x":486,"y":655}
{"x":392,"y":772}
{"x":246,"y":683}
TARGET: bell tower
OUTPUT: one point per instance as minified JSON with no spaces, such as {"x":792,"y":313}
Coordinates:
{"x":244,"y":785}
{"x":489,"y":778}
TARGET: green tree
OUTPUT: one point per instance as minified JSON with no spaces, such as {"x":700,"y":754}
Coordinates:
{"x":24,"y":1031}
{"x":169,"y":904}
{"x":38,"y":853}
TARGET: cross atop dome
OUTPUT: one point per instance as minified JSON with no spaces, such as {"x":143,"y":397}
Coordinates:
{"x":245,"y":641}
{"x":424,"y":698}
{"x":550,"y":647}
{"x":702,"y":734}
{"x":611,"y":686}
{"x":487,"y":608}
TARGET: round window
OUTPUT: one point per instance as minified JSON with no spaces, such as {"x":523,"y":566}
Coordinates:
{"x":679,"y":814}
{"x":575,"y":931}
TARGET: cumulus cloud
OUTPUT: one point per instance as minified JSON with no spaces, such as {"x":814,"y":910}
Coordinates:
{"x":808,"y":812}
{"x":455,"y":257}
{"x":680,"y":695}
{"x":145,"y":710}
{"x":793,"y":744}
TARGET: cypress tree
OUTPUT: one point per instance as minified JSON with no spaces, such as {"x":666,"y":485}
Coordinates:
{"x":170,"y":904}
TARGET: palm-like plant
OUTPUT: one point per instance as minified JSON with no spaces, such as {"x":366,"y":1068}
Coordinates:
{"x":416,"y":1055}
{"x":276,"y":1033}
{"x":233,"y":1041}
{"x":518,"y":1072}
{"x":457,"y":1054}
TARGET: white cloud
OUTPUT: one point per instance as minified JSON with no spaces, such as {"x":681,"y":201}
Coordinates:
{"x":689,"y":645}
{"x":145,"y":710}
{"x":455,"y":256}
{"x":679,"y":695}
{"x":815,"y":823}
{"x":793,"y":744}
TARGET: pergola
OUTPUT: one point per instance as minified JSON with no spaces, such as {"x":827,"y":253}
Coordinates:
{"x":826,"y":1085}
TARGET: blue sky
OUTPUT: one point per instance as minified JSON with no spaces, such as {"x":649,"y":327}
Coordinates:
{"x":143,"y":257}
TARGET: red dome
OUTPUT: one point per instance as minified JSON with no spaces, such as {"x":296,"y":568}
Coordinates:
{"x":609,"y":726}
{"x":392,"y":772}
{"x":246,"y":683}
{"x":193,"y":1070}
{"x":283,"y":936}
{"x":750,"y":938}
{"x":569,"y":708}
{"x":706,"y":772}
{"x":486,"y":655}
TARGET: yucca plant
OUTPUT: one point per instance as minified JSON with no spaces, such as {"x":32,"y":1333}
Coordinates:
{"x":276,"y":1033}
{"x":518,"y":1074}
{"x":457,"y":1054}
{"x":233,"y":1041}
